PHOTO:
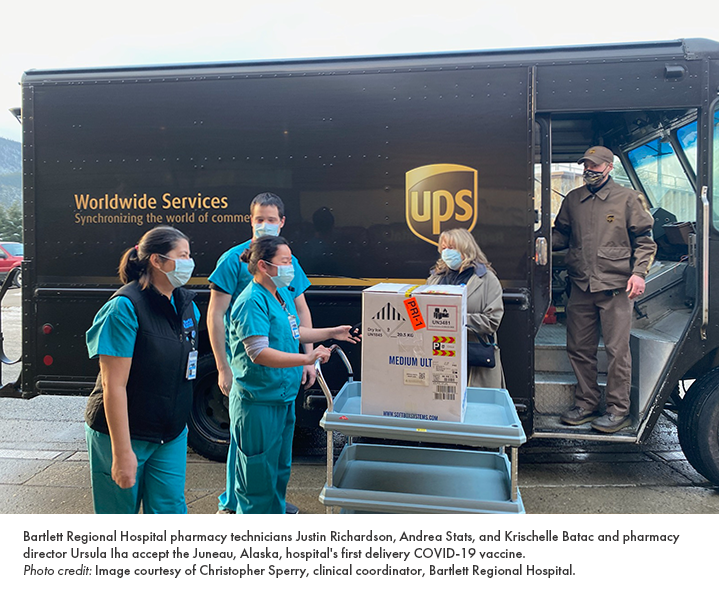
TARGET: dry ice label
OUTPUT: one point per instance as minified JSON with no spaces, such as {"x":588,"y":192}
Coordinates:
{"x":388,"y":319}
{"x":440,"y":197}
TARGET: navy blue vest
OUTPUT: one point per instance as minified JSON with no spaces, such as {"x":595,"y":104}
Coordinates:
{"x":159,"y":396}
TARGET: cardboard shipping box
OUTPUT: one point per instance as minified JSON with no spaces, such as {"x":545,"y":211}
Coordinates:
{"x":414,"y":359}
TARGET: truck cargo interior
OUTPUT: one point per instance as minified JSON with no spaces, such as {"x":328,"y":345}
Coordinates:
{"x":655,"y":153}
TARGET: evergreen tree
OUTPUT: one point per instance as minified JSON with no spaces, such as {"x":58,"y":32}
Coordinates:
{"x":11,"y":222}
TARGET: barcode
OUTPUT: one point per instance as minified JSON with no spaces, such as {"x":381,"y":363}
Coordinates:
{"x":445,"y":392}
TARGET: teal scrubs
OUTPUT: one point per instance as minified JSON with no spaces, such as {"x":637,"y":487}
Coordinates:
{"x":114,"y":330}
{"x":262,"y":399}
{"x":231,"y":276}
{"x":160,"y":482}
{"x":161,"y":467}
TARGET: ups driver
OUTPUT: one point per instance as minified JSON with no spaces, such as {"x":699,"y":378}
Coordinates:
{"x":607,"y":229}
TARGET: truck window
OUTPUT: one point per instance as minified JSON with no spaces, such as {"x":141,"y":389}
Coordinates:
{"x":687,"y":136}
{"x":619,"y":174}
{"x":663,"y":178}
{"x":565,"y":177}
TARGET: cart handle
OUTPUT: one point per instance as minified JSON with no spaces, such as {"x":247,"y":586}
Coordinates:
{"x":320,"y":377}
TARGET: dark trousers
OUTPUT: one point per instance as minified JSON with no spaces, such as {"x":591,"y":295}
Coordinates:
{"x":586,"y":313}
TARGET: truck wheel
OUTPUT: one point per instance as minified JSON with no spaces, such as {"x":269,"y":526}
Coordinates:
{"x":699,"y":425}
{"x":209,"y":424}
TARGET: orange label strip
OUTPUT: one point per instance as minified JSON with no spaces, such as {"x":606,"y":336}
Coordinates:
{"x":414,"y":314}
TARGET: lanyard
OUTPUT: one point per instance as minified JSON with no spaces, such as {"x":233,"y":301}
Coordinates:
{"x":291,"y":318}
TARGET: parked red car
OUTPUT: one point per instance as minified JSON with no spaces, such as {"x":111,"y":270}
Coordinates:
{"x":10,"y":257}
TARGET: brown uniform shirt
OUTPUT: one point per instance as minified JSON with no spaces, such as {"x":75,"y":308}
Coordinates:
{"x":608,"y":235}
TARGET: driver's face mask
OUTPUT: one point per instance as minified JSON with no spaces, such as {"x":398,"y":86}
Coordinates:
{"x":593,"y":178}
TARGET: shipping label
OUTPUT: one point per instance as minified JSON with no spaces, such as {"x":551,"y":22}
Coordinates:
{"x":442,"y":317}
{"x":419,"y":378}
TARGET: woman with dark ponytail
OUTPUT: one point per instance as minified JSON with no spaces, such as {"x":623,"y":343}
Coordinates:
{"x":265,"y":335}
{"x":146,"y":339}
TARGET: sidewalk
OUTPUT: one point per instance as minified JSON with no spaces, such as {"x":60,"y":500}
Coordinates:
{"x":44,"y":469}
{"x":44,"y":466}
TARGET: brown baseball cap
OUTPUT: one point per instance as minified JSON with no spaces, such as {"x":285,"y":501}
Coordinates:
{"x":597,"y":155}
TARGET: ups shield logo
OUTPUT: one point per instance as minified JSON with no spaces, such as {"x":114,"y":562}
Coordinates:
{"x":440,"y":197}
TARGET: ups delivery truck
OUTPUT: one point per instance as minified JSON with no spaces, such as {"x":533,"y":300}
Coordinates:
{"x":374,"y":157}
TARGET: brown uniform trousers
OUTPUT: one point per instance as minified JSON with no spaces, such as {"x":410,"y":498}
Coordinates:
{"x":586,"y":311}
{"x":608,"y":234}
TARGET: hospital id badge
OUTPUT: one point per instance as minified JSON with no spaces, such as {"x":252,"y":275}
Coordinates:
{"x":192,"y":366}
{"x":294,"y":327}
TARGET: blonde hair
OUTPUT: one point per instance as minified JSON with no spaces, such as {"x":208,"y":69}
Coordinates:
{"x":465,"y":243}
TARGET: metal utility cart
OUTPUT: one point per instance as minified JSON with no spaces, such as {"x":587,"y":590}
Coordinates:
{"x":420,"y":479}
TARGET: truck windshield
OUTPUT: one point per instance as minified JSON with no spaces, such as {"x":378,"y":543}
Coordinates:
{"x":664,"y":179}
{"x":620,"y":174}
{"x":687,"y":136}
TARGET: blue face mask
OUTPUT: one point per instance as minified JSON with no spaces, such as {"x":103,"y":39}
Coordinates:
{"x":285,"y":275}
{"x":452,"y":258}
{"x":182,"y":272}
{"x":266,"y":229}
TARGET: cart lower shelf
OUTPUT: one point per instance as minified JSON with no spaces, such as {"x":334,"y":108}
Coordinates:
{"x":392,"y":479}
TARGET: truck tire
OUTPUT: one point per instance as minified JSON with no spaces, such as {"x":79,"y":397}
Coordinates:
{"x":698,"y":427}
{"x":209,"y":424}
